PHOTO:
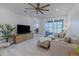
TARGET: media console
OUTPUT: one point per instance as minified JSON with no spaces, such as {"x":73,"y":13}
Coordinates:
{"x":22,"y":37}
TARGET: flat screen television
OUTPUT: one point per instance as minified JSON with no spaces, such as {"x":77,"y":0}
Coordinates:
{"x":23,"y":29}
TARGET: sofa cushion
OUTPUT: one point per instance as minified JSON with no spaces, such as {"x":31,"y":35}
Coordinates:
{"x":75,"y":40}
{"x":61,"y":35}
{"x":67,"y":39}
{"x":42,"y":39}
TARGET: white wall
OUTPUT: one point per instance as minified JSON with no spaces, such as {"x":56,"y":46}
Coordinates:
{"x":8,"y":17}
{"x":74,"y":21}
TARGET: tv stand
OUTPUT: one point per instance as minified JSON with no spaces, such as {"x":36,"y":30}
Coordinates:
{"x":22,"y":37}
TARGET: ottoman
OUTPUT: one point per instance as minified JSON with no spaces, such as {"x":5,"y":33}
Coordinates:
{"x":44,"y":42}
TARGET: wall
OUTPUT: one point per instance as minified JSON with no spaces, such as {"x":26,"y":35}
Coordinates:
{"x":8,"y":17}
{"x":73,"y":18}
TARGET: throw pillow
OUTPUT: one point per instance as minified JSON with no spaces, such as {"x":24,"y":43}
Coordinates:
{"x":61,"y":35}
{"x":67,"y":39}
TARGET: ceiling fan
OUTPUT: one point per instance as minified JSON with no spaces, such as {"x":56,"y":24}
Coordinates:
{"x":38,"y":8}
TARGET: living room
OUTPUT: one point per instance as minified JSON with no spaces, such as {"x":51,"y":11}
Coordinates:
{"x":43,"y":23}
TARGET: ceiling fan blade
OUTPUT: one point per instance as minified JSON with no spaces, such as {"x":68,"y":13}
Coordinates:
{"x":38,"y":5}
{"x":44,"y":6}
{"x":41,"y":12}
{"x":44,"y":9}
{"x":32,"y":5}
{"x":37,"y":9}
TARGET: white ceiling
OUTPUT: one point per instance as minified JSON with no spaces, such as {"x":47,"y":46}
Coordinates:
{"x":55,"y":9}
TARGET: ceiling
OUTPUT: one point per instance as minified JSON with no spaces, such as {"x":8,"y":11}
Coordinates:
{"x":55,"y":9}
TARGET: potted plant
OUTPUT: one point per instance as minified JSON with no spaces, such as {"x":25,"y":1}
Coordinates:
{"x":6,"y":31}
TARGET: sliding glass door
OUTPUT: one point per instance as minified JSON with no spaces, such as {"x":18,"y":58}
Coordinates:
{"x":52,"y":27}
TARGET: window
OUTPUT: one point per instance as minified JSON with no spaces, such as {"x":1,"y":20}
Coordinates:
{"x":58,"y":26}
{"x":53,"y":27}
{"x":49,"y":28}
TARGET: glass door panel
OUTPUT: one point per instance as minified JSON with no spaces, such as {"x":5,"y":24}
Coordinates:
{"x":49,"y":28}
